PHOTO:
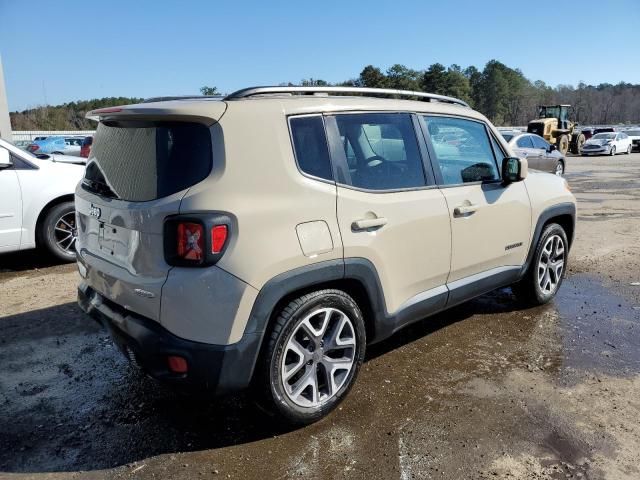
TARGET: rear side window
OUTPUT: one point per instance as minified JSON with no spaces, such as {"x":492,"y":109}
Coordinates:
{"x":381,"y":151}
{"x":539,"y":142}
{"x":524,"y":142}
{"x":310,"y":146}
{"x":144,"y":161}
{"x":463,"y":150}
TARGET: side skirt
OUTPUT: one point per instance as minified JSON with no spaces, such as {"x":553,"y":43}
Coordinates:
{"x":441,"y":298}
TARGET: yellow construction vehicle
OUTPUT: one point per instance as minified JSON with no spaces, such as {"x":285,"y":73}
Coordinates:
{"x":554,"y":126}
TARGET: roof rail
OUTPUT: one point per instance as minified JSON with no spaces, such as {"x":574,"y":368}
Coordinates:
{"x":255,"y":91}
{"x":181,"y":97}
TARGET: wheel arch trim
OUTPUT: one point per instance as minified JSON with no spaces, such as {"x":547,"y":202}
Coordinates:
{"x":555,"y":211}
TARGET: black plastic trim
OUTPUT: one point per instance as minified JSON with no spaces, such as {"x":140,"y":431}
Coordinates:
{"x":218,"y":368}
{"x":481,"y":286}
{"x":288,"y":282}
{"x":361,"y":270}
{"x":546,"y":215}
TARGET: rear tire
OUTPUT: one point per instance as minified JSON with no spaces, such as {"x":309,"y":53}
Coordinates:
{"x":577,"y":144}
{"x":544,"y":276}
{"x":629,"y":150}
{"x":313,"y":356}
{"x":58,"y":231}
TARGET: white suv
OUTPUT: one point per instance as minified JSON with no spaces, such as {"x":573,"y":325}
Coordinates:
{"x":266,"y":238}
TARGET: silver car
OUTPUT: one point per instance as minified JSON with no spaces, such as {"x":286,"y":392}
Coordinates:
{"x":540,"y":154}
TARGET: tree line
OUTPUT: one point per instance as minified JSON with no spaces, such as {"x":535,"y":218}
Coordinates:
{"x":504,"y":94}
{"x":68,"y":116}
{"x":501,"y":93}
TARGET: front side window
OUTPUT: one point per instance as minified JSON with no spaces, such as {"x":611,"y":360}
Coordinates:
{"x":381,"y":150}
{"x":462,"y":149}
{"x":310,"y":146}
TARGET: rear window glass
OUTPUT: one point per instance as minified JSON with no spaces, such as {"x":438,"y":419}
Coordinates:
{"x":539,"y":142}
{"x":524,"y":142}
{"x":144,"y":161}
{"x":310,"y":145}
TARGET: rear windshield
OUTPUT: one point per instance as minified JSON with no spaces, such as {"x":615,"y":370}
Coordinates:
{"x":138,"y":161}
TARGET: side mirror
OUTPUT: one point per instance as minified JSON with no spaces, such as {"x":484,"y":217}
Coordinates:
{"x":514,"y":169}
{"x":552,"y":147}
{"x":5,"y":159}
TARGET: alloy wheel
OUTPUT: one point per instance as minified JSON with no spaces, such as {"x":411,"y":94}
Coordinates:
{"x":318,"y":357}
{"x":551,"y":264}
{"x":65,"y":232}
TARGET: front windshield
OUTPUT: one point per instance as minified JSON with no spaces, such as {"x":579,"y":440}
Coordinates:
{"x":549,"y":112}
{"x":603,"y":136}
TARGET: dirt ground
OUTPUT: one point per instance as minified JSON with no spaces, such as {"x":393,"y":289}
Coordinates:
{"x":487,"y":390}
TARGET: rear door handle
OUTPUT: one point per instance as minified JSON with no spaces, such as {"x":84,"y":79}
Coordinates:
{"x":369,"y":223}
{"x":464,"y":210}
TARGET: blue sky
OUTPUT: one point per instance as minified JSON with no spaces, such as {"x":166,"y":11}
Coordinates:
{"x":63,"y":50}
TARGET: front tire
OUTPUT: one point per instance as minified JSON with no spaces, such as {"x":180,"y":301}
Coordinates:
{"x":612,"y":152}
{"x":58,"y":231}
{"x":559,"y":168}
{"x":563,"y":144}
{"x":544,"y":276}
{"x":315,"y":351}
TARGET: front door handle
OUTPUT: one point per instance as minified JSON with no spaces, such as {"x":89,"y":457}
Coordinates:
{"x":464,"y":210}
{"x":368,"y":223}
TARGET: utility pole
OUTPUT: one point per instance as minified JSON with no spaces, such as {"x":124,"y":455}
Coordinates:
{"x":5,"y":122}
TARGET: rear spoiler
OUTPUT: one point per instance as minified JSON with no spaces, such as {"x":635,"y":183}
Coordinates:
{"x":204,"y":111}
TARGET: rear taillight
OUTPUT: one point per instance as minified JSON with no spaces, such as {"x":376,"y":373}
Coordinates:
{"x":196,"y":240}
{"x":33,"y":148}
{"x":190,"y":241}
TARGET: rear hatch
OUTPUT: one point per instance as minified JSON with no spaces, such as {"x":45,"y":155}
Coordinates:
{"x":143,"y":160}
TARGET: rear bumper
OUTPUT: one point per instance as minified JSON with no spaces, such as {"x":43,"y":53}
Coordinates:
{"x":217,"y":368}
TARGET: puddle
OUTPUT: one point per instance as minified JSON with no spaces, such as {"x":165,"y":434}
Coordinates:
{"x":599,"y":330}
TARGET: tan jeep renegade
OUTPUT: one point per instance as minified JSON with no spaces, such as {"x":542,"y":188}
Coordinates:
{"x":265,"y":238}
